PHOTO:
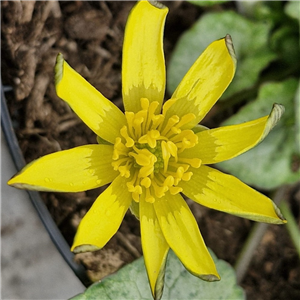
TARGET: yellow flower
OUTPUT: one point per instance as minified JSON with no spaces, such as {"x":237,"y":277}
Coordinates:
{"x":154,"y":152}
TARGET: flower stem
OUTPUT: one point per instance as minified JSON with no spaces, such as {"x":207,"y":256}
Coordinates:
{"x":253,"y":240}
{"x":291,"y":225}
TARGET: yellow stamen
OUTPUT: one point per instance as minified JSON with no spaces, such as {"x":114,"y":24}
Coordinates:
{"x":150,"y":138}
{"x":194,"y":162}
{"x":129,"y":140}
{"x":157,"y":120}
{"x":149,"y":151}
{"x":167,"y":105}
{"x":186,"y":119}
{"x":168,"y":149}
{"x":130,"y":117}
{"x":171,"y":122}
{"x":143,"y":157}
{"x":146,"y":182}
{"x":125,"y":170}
{"x":149,"y":198}
{"x":138,"y":120}
{"x":175,"y":190}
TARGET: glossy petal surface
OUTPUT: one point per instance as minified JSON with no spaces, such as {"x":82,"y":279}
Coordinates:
{"x":226,"y":193}
{"x":223,"y":143}
{"x":183,"y":236}
{"x":103,"y":219}
{"x":143,"y":66}
{"x":97,"y":112}
{"x":74,"y":170}
{"x":205,"y":81}
{"x":155,"y":248}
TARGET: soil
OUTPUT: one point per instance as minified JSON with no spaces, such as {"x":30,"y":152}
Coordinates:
{"x":90,"y":35}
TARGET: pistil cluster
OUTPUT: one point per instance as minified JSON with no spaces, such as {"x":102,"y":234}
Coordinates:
{"x":150,"y":152}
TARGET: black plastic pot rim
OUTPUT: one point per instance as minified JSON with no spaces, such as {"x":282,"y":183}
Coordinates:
{"x":19,"y":161}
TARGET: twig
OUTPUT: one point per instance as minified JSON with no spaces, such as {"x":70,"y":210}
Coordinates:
{"x":131,"y":249}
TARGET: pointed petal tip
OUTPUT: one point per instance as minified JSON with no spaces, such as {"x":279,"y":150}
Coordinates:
{"x":230,"y":47}
{"x":274,"y":117}
{"x":281,"y":219}
{"x":58,"y":69}
{"x":157,"y":292}
{"x":276,"y":113}
{"x":59,"y":57}
{"x":157,"y":4}
{"x":210,"y":277}
{"x":17,"y":180}
{"x":84,"y":248}
{"x":10,"y":182}
{"x":21,"y":184}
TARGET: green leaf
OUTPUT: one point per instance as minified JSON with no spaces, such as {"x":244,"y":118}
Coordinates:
{"x":250,"y":42}
{"x":297,"y":120}
{"x":270,"y":164}
{"x":248,"y":8}
{"x":206,"y":3}
{"x":285,"y":42}
{"x":292,"y":9}
{"x":131,"y":283}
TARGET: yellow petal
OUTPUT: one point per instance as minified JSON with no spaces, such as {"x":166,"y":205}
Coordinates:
{"x":155,"y":248}
{"x":183,"y":236}
{"x":104,"y":218}
{"x":226,"y":142}
{"x":205,"y":82}
{"x":97,"y":112}
{"x":214,"y":189}
{"x":74,"y":170}
{"x":143,"y":66}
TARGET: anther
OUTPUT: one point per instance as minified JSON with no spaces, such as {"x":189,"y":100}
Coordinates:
{"x":149,"y":151}
{"x":129,"y":140}
{"x":171,"y":122}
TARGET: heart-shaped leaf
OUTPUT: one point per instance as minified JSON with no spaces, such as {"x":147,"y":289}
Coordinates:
{"x":131,"y":282}
{"x":207,"y":3}
{"x":292,"y":9}
{"x":276,"y":160}
{"x":250,"y":41}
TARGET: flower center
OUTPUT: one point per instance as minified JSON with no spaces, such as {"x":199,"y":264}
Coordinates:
{"x":150,"y":151}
